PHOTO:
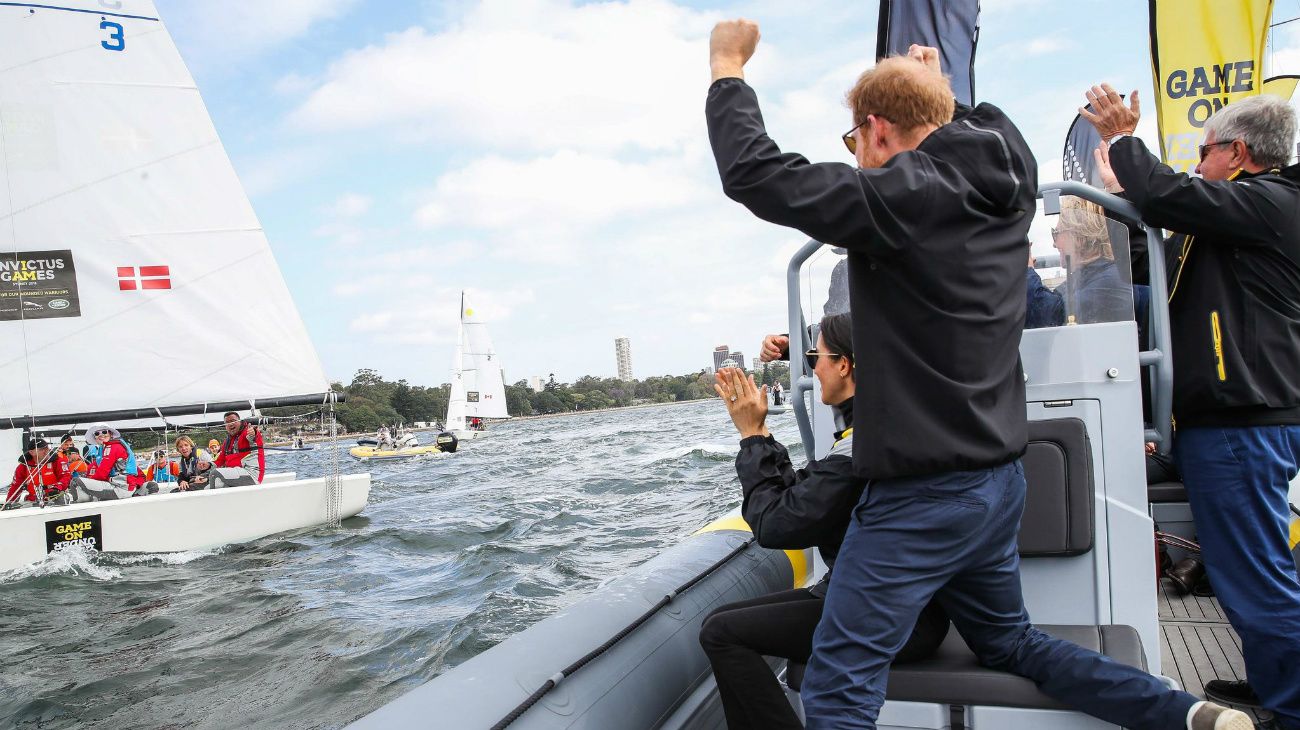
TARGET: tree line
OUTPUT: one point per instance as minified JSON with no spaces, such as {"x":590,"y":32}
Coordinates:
{"x":373,"y":401}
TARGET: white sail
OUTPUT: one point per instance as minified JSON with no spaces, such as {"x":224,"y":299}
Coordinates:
{"x":456,"y":400}
{"x":485,"y":392}
{"x":133,"y":271}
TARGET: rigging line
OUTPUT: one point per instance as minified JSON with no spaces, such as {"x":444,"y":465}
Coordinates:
{"x":13,"y":237}
{"x":78,"y":49}
{"x":37,"y":6}
{"x":1284,"y":22}
{"x":114,"y":175}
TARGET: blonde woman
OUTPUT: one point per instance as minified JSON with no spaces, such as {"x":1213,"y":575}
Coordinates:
{"x":1097,"y":289}
{"x":194,"y":464}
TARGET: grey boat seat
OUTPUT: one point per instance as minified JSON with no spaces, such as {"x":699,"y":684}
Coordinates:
{"x":1166,"y":492}
{"x":953,"y":676}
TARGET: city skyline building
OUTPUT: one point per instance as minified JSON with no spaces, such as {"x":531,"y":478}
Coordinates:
{"x":536,"y":383}
{"x":623,"y":355}
{"x":721,"y":353}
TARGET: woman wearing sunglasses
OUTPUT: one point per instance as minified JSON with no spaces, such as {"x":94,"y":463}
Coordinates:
{"x":791,"y":509}
{"x":110,"y":456}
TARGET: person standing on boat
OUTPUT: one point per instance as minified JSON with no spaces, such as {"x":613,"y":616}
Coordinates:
{"x":38,"y":468}
{"x":1234,"y":310}
{"x":935,"y":217}
{"x":111,"y":456}
{"x":791,"y":510}
{"x":242,"y":440}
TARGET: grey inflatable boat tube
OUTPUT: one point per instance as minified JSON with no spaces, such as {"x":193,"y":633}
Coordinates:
{"x":639,"y":682}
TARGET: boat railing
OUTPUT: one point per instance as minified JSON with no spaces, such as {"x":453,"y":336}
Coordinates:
{"x":1157,"y":359}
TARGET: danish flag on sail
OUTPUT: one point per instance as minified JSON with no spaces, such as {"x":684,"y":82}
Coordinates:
{"x":131,"y":278}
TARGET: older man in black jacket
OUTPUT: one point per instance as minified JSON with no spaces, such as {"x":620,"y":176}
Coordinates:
{"x":1234,"y":308}
{"x":935,"y":218}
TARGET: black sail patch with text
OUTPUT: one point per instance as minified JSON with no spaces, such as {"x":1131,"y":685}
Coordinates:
{"x":38,"y":285}
{"x":84,"y":531}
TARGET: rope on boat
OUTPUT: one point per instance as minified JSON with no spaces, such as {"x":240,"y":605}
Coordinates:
{"x":334,"y":506}
{"x":568,"y":671}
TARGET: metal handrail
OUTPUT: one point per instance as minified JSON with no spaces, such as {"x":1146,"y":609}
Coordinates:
{"x":801,"y":381}
{"x":1157,"y":358}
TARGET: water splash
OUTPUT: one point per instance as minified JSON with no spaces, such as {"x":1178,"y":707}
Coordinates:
{"x":75,"y":561}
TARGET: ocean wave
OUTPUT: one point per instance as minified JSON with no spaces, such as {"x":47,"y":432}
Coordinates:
{"x":77,"y":561}
{"x":704,"y":450}
{"x":180,"y":558}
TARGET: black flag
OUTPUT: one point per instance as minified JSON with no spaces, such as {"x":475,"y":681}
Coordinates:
{"x":1076,"y":161}
{"x":952,"y":26}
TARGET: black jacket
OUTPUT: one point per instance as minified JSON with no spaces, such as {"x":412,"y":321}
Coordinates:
{"x":937,"y":240}
{"x":1234,"y":281}
{"x":792,"y":509}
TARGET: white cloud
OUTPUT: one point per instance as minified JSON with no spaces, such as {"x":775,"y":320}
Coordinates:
{"x":530,"y":75}
{"x":567,"y":189}
{"x":349,"y":205}
{"x":241,"y":30}
{"x":428,"y":315}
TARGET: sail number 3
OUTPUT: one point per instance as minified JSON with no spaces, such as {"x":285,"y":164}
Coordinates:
{"x":116,"y":40}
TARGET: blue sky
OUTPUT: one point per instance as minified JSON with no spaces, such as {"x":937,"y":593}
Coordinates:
{"x":551,"y":157}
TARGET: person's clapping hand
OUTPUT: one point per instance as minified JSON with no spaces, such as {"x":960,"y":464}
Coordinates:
{"x":1109,"y":115}
{"x":1101,"y":156}
{"x":746,"y":402}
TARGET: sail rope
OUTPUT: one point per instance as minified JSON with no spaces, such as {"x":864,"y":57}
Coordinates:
{"x":333,"y":480}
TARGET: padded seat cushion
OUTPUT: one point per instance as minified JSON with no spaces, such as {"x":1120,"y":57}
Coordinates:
{"x":953,"y":677}
{"x":1166,"y":492}
{"x":1058,"y":519}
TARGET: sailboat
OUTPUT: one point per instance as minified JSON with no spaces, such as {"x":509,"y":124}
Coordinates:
{"x":478,"y":388}
{"x":120,"y":213}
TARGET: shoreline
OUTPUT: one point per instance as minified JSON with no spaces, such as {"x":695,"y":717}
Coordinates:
{"x":534,"y":417}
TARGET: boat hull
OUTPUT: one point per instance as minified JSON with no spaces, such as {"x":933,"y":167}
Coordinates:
{"x":178,"y":521}
{"x":370,"y":453}
{"x":655,"y":670}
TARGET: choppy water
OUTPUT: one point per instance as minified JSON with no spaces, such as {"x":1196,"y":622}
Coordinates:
{"x":318,"y":627}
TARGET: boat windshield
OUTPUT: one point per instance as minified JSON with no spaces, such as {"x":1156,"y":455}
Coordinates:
{"x":1083,"y":258}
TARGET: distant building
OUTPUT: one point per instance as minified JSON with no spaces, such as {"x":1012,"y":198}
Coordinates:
{"x":728,"y":363}
{"x":757,"y":363}
{"x":739,"y":358}
{"x":623,"y":353}
{"x":536,"y":383}
{"x":720,"y":353}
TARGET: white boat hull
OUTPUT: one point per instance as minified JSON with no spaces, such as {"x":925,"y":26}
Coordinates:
{"x":179,"y":521}
{"x":468,"y":435}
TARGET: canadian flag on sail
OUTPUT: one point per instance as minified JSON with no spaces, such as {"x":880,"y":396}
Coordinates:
{"x":149,"y":277}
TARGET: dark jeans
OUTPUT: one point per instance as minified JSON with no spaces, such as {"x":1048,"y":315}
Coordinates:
{"x":1237,"y":481}
{"x":954,"y":536}
{"x":738,"y":635}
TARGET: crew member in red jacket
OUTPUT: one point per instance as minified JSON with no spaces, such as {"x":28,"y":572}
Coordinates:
{"x":242,"y":439}
{"x":37,"y":467}
{"x":110,"y":456}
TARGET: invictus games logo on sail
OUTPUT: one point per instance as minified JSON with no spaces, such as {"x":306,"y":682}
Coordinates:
{"x":38,"y":285}
{"x":23,"y":270}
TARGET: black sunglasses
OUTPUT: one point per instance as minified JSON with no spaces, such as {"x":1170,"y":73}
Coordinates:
{"x":812,"y":356}
{"x":1205,"y":148}
{"x":850,"y":141}
{"x":102,"y":433}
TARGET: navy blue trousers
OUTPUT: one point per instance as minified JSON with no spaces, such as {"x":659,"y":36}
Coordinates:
{"x":1237,"y":481}
{"x":954,"y":536}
